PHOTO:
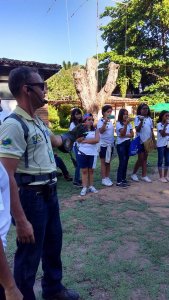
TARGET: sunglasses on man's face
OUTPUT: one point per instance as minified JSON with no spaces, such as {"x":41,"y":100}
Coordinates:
{"x":41,"y":85}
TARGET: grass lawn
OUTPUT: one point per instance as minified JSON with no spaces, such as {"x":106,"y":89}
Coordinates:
{"x":112,"y":250}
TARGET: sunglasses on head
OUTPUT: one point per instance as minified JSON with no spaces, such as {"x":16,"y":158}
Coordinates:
{"x":41,"y":85}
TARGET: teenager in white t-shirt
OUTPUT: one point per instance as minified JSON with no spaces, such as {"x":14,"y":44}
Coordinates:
{"x":8,"y":289}
{"x":87,"y":154}
{"x":76,"y":119}
{"x":124,"y":133}
{"x":144,"y":128}
{"x":106,"y":130}
{"x":163,"y":145}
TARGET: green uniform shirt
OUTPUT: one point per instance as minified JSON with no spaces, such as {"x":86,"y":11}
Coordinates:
{"x":40,"y":153}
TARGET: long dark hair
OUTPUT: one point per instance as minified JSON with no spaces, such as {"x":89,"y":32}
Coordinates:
{"x":139,"y":108}
{"x":121,"y":114}
{"x":162,"y":113}
{"x":73,"y":119}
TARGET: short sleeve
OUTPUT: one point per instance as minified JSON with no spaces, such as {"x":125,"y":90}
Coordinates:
{"x":72,"y":126}
{"x":100,"y":123}
{"x":136,"y":121}
{"x":159,"y":127}
{"x":12,"y":141}
{"x":118,"y":127}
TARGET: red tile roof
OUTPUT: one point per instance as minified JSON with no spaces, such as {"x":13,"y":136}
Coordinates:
{"x":15,"y":63}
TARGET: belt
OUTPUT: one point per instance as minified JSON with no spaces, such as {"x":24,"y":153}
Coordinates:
{"x":47,"y":189}
{"x":24,"y":179}
{"x":37,"y":188}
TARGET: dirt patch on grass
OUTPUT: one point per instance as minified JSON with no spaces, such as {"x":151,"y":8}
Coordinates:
{"x":126,"y":251}
{"x":155,"y":194}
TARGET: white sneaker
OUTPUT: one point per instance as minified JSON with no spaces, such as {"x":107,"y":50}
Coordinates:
{"x":92,"y":189}
{"x":109,"y":180}
{"x":106,"y":182}
{"x":134,"y":177}
{"x":83,"y":191}
{"x":163,"y":179}
{"x":146,"y":179}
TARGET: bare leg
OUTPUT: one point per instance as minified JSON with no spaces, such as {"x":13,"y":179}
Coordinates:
{"x":144,"y":156}
{"x":91,"y":172}
{"x":107,"y":169}
{"x":138,"y":163}
{"x":165,"y":171}
{"x":161,"y":172}
{"x":84,"y":177}
{"x":103,"y":168}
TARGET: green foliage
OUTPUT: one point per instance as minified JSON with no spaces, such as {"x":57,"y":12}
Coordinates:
{"x":53,"y":118}
{"x":69,"y":65}
{"x":136,"y":77}
{"x":61,"y":85}
{"x":152,"y":99}
{"x":64,"y":115}
{"x":123,"y":83}
{"x":137,"y":37}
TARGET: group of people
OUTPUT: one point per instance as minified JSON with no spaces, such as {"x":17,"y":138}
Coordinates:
{"x":99,"y":140}
{"x":28,"y":179}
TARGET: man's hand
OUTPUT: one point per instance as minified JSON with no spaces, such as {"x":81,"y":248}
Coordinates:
{"x":70,"y":137}
{"x":25,"y":232}
{"x":13,"y":294}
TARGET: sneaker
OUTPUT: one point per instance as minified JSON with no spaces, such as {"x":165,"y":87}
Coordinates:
{"x":121,"y":184}
{"x":68,"y":177}
{"x":146,"y":179}
{"x":163,"y":179}
{"x":106,"y":182}
{"x":167,"y":178}
{"x":134,"y":177}
{"x":64,"y":294}
{"x":109,"y":180}
{"x":78,"y":184}
{"x":92,"y":189}
{"x":83,"y":191}
{"x":126,"y":182}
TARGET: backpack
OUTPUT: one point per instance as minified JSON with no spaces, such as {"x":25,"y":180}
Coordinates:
{"x":25,"y":130}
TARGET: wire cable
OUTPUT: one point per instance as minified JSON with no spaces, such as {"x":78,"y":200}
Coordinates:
{"x":78,"y":8}
{"x":68,"y":31}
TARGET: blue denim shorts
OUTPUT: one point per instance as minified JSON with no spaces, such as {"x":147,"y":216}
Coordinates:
{"x":86,"y":161}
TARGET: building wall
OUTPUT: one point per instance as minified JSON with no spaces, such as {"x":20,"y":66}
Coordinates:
{"x":8,"y":107}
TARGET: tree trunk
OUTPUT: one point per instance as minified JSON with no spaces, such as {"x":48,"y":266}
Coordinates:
{"x":86,"y":84}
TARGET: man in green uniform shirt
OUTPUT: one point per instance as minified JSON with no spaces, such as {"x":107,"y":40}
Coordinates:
{"x":31,"y":166}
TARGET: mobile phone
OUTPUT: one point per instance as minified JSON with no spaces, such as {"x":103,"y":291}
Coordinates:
{"x":110,"y":117}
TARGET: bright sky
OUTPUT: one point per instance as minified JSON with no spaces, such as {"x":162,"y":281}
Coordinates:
{"x":38,"y":29}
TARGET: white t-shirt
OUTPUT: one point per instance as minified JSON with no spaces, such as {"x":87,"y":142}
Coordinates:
{"x":89,"y":149}
{"x":5,"y":217}
{"x":107,"y":137}
{"x":146,"y":129}
{"x":72,"y":126}
{"x":162,"y":141}
{"x":119,"y":126}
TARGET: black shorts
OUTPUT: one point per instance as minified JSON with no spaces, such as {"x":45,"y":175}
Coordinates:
{"x":102,"y":152}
